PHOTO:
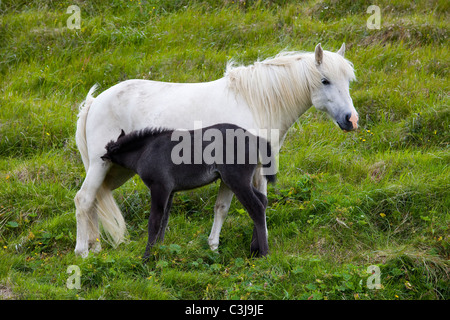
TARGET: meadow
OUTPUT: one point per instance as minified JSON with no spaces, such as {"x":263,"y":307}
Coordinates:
{"x":343,"y":202}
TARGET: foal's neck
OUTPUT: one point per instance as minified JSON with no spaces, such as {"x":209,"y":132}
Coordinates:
{"x":130,"y":156}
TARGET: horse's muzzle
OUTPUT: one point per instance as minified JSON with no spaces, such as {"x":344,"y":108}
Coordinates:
{"x":349,"y":122}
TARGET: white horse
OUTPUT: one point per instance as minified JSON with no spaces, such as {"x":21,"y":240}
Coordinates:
{"x":271,"y":94}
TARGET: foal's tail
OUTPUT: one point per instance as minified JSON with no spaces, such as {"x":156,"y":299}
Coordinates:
{"x":269,"y":164}
{"x":109,"y":213}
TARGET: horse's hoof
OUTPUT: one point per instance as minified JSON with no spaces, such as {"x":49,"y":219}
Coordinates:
{"x":82,"y":252}
{"x":96,"y":247}
{"x":214,"y":247}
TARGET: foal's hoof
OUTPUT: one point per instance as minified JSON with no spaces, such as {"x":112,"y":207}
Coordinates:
{"x":146,"y":258}
{"x":256,"y":253}
{"x":254,"y":249}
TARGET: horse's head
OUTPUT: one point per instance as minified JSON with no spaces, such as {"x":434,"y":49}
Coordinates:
{"x":332,"y":95}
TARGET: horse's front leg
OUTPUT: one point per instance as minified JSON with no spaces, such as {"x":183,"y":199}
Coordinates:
{"x":221,"y":208}
{"x":259,"y":181}
{"x":86,"y":215}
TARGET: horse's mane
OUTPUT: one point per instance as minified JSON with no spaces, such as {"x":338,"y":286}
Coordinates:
{"x":281,"y":85}
{"x":134,"y":139}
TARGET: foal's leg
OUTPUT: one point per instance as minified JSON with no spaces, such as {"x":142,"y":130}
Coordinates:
{"x":251,"y":199}
{"x":160,"y":197}
{"x":221,"y":208}
{"x":87,"y":222}
{"x":254,"y":246}
{"x":165,"y":219}
{"x":256,"y":210}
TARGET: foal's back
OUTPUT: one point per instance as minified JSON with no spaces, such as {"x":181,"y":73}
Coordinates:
{"x":182,"y":160}
{"x":204,"y":160}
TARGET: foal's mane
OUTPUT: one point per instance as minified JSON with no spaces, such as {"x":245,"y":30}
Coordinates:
{"x":134,"y":139}
{"x":278,"y":89}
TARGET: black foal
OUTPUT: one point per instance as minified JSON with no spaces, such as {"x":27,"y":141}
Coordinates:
{"x":167,"y":165}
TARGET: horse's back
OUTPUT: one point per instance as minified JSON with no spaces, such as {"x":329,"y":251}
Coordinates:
{"x":136,"y":104}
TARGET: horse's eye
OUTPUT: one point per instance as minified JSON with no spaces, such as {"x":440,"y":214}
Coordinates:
{"x":325,"y":81}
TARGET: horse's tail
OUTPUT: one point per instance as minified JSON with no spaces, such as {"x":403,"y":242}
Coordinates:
{"x":269,"y":165}
{"x":110,"y":216}
{"x":108,"y":212}
{"x":81,"y":126}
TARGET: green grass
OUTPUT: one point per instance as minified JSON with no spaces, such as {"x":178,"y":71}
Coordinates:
{"x":379,"y":196}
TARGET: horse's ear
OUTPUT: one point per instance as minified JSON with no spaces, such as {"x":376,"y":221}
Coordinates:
{"x":121,"y":134}
{"x":341,"y":51}
{"x":318,"y":52}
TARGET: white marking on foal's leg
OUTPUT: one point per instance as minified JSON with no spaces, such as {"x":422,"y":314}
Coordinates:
{"x":261,"y":184}
{"x":221,"y":207}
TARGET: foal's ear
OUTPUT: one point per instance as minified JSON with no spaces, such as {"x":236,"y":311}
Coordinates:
{"x":341,"y":51}
{"x":122,"y":133}
{"x":318,"y":52}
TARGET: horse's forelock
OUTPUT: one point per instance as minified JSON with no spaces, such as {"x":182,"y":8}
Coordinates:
{"x":336,"y":66}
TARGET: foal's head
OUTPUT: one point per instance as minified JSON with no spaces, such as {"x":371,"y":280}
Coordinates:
{"x":126,"y":150}
{"x":333,"y":95}
{"x":113,"y":148}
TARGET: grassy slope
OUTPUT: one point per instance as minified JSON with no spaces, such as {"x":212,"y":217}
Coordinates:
{"x":343,"y":201}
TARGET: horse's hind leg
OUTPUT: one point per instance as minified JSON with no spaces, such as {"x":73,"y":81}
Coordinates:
{"x":221,"y":208}
{"x":87,"y":221}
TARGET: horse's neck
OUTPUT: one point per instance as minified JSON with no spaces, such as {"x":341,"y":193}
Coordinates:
{"x":276,"y":129}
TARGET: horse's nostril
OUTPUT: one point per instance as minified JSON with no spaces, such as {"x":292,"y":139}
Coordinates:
{"x":348,"y":116}
{"x":350,"y":121}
